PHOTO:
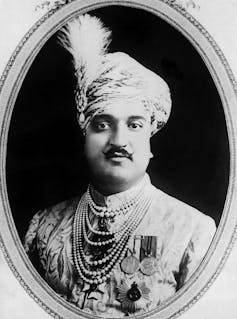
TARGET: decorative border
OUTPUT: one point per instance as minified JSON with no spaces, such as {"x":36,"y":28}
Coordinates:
{"x":181,"y":10}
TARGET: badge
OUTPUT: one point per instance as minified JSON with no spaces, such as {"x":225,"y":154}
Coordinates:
{"x":130,"y":265}
{"x":133,"y":296}
{"x":149,"y":266}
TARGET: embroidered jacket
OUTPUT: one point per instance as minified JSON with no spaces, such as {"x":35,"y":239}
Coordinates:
{"x":173,"y":233}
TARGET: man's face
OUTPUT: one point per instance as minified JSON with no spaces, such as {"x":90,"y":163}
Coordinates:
{"x":117,"y":145}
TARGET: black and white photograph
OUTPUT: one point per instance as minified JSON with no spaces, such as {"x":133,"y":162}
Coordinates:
{"x":118,"y":163}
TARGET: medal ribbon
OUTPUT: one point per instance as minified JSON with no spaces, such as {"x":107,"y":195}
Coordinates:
{"x":148,"y":247}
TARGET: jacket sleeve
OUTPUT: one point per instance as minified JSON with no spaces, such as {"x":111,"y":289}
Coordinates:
{"x":30,"y":241}
{"x":196,"y":248}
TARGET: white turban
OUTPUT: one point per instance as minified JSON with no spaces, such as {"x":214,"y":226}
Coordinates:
{"x":104,"y":78}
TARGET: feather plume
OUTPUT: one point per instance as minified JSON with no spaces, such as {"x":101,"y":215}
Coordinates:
{"x":87,"y":40}
{"x":101,"y":76}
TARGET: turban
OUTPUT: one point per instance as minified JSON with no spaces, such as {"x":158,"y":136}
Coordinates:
{"x":104,"y":78}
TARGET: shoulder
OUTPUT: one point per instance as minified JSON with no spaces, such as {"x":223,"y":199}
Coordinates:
{"x":177,"y":209}
{"x":63,"y":210}
{"x":46,"y":220}
{"x":170,"y":213}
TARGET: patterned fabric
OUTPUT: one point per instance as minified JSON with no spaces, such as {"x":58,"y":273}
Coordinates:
{"x":178,"y":236}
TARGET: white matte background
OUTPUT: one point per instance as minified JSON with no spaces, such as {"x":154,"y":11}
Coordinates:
{"x":219,"y":17}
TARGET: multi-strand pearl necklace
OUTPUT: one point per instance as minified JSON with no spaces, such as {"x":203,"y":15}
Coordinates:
{"x":97,"y":271}
{"x":123,"y":208}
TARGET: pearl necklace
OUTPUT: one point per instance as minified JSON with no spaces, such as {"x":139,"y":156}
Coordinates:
{"x":124,"y":208}
{"x":111,"y":212}
{"x":98,"y":271}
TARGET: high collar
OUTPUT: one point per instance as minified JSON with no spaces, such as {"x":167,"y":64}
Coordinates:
{"x":118,"y":198}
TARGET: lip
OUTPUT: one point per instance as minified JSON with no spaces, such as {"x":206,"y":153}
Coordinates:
{"x":117,"y":156}
{"x":118,"y":159}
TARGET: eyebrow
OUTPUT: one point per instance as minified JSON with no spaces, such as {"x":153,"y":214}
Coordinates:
{"x":110,"y":117}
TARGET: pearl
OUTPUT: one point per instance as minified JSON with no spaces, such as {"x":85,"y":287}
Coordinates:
{"x":138,"y":207}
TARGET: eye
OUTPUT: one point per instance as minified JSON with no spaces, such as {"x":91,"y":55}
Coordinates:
{"x":135,"y":125}
{"x":100,"y":126}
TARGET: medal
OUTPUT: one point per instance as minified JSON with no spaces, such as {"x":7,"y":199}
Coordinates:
{"x":149,"y":262}
{"x":149,"y":266}
{"x":133,"y":296}
{"x":134,"y":293}
{"x":130,"y":265}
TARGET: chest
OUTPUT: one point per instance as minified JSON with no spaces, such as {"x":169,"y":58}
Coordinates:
{"x":145,"y":277}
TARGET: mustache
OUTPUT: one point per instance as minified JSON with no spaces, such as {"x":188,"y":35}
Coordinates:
{"x":118,"y":151}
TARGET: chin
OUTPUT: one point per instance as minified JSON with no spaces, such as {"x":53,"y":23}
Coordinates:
{"x":121,"y":177}
{"x":118,"y":174}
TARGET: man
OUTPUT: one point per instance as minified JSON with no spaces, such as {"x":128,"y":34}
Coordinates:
{"x":124,"y":246}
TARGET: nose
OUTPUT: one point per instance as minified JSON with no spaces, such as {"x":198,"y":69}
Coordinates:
{"x":119,"y":136}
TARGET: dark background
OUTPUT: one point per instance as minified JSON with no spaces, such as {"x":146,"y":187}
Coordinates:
{"x":45,"y":163}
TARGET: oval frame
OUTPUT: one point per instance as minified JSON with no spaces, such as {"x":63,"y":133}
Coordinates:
{"x":223,"y":78}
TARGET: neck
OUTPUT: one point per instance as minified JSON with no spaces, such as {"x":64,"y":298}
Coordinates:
{"x":108,"y":187}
